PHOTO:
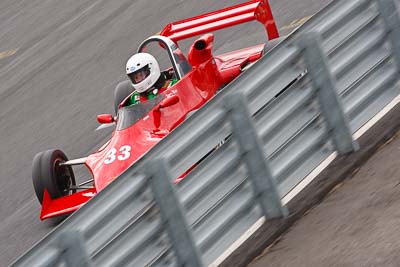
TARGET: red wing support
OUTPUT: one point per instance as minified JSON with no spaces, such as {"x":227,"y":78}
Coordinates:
{"x":223,"y":18}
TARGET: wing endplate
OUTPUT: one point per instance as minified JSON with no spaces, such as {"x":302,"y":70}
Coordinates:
{"x":64,"y":205}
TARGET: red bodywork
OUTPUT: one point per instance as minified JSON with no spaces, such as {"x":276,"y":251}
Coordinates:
{"x":208,"y":74}
{"x":227,"y":17}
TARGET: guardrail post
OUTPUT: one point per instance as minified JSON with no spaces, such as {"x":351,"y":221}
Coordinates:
{"x":390,"y":16}
{"x":325,"y":84}
{"x":172,"y":214}
{"x":263,"y":183}
{"x":73,"y":249}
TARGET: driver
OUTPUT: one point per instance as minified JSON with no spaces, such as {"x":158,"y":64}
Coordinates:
{"x":146,"y":78}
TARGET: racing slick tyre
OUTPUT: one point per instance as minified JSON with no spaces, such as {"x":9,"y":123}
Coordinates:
{"x":48,"y":174}
{"x":122,"y":90}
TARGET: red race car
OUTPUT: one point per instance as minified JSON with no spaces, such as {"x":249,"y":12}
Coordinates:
{"x":139,"y":127}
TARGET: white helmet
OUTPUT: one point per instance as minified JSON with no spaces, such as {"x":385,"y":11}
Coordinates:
{"x":143,"y":71}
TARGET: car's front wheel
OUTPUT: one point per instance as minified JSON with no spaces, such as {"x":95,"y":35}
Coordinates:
{"x":47,"y":173}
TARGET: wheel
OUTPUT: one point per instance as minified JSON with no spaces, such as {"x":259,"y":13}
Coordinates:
{"x":122,"y":90}
{"x":48,"y":174}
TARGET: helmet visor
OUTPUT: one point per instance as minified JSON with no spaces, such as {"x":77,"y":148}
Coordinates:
{"x":139,"y":75}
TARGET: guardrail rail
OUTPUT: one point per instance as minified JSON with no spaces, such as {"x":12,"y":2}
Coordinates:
{"x":298,"y":105}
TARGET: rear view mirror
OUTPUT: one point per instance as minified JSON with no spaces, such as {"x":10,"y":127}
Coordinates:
{"x":105,"y":118}
{"x":169,"y":101}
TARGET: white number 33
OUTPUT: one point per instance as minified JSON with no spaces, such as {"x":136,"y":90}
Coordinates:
{"x":124,"y":153}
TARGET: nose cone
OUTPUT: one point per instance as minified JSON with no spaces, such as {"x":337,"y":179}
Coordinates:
{"x":124,"y":148}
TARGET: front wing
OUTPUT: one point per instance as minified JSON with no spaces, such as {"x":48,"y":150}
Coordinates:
{"x":64,"y":205}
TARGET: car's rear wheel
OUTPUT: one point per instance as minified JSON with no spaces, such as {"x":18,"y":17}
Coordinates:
{"x":122,"y":90}
{"x":47,"y":173}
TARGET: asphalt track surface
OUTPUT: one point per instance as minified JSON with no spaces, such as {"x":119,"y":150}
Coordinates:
{"x":59,"y":64}
{"x":357,"y":224}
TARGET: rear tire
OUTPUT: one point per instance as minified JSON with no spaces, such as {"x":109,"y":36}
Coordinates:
{"x":122,"y":90}
{"x":48,"y":174}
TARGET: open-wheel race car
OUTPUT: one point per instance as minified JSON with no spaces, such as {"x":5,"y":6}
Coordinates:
{"x":141,"y":126}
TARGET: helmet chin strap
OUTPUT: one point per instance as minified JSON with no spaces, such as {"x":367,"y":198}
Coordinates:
{"x":153,"y":91}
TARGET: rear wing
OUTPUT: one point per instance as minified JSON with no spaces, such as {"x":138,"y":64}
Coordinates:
{"x":223,"y":18}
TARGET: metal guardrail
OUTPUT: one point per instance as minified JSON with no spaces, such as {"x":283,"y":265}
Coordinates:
{"x":345,"y":64}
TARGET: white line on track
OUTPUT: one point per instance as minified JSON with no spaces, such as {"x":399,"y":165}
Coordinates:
{"x":306,"y":181}
{"x":8,"y":53}
{"x":238,"y":242}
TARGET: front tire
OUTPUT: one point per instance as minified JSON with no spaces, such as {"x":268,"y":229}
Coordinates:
{"x":48,"y":174}
{"x":122,"y":90}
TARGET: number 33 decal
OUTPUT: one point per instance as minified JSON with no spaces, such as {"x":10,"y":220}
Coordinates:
{"x":124,"y":153}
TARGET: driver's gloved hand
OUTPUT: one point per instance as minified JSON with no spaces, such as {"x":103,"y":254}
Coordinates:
{"x":169,"y":74}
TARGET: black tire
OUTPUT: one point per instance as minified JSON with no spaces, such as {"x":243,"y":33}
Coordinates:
{"x":122,"y":90}
{"x":47,"y":174}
